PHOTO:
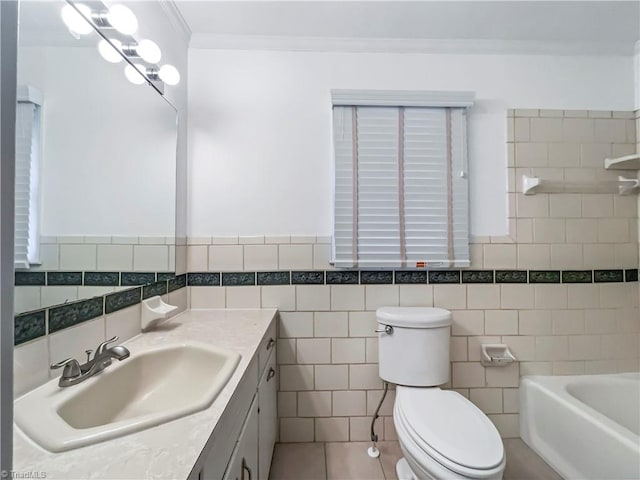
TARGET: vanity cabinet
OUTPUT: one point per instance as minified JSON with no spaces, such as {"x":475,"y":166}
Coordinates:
{"x":268,"y":418}
{"x":244,"y":461}
{"x":242,"y":443}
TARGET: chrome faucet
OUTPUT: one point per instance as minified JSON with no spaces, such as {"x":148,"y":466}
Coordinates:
{"x":75,"y":373}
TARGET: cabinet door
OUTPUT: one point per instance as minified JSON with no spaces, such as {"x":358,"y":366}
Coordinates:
{"x":244,"y":461}
{"x":268,"y":418}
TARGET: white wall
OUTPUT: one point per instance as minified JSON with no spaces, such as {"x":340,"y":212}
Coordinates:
{"x":260,"y":130}
{"x":159,"y":22}
{"x":108,"y":151}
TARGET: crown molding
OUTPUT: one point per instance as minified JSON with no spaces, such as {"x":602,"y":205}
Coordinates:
{"x":402,"y":45}
{"x":178,"y":22}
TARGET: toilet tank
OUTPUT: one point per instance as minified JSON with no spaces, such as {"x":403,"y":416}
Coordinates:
{"x":414,"y":349}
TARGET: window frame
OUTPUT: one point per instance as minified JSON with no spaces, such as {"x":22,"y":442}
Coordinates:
{"x":30,"y":94}
{"x":399,"y":99}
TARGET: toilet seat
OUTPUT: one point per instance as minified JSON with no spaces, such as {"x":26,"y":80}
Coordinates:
{"x":450,"y":430}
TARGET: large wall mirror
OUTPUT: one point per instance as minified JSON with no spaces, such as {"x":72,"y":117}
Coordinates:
{"x":95,"y":169}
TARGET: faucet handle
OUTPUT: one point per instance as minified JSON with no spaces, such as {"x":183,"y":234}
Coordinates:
{"x":71,"y":367}
{"x":88,"y":352}
{"x":103,"y":346}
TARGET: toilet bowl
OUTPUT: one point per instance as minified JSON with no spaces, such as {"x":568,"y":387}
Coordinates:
{"x":445,"y":436}
{"x":441,"y":433}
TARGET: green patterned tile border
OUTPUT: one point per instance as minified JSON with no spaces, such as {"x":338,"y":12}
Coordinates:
{"x":544,"y":276}
{"x":511,"y":276}
{"x":577,"y":276}
{"x":31,"y":325}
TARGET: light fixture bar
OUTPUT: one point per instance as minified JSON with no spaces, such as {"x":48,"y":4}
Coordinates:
{"x":142,"y":57}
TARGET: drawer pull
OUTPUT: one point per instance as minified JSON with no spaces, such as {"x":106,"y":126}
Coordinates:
{"x":245,"y":467}
{"x":271,"y":374}
{"x":270,"y":343}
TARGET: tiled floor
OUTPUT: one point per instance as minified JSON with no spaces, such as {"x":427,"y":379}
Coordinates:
{"x":349,"y":461}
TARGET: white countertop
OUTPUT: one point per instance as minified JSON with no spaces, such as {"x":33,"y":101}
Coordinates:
{"x":170,"y":450}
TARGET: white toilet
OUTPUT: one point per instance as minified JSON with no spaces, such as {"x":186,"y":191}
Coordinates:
{"x":442,"y":434}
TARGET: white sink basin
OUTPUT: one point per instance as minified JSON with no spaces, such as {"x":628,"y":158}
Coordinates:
{"x":151,"y":387}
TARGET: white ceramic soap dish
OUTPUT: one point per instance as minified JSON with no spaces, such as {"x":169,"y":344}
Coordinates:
{"x":496,"y":355}
{"x":154,"y":309}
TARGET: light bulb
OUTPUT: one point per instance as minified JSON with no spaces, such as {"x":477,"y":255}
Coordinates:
{"x":122,"y":19}
{"x":76,"y":22}
{"x":169,"y":74}
{"x":134,"y":74}
{"x":110,"y":52}
{"x":149,"y":51}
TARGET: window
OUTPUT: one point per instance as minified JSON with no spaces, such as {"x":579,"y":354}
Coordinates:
{"x":401,"y":186}
{"x":28,"y":115}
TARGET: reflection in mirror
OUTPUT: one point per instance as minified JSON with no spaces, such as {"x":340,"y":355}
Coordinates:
{"x":95,"y":182}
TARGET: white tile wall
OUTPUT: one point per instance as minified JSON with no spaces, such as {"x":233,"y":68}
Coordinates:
{"x":327,"y":352}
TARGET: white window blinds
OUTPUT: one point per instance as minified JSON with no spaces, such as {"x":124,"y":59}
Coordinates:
{"x":27,"y":178}
{"x":401,"y":193}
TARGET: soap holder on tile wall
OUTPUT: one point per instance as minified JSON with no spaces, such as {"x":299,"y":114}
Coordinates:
{"x":496,"y":355}
{"x":154,"y":309}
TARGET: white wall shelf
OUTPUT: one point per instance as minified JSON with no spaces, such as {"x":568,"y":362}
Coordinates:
{"x":628,"y":162}
{"x":622,"y":186}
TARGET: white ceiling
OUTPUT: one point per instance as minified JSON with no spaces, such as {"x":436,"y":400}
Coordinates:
{"x":575,"y":26}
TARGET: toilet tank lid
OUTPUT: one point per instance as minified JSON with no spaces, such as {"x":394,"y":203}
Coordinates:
{"x":414,"y":317}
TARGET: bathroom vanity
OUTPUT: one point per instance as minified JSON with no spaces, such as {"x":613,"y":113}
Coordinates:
{"x":232,"y":438}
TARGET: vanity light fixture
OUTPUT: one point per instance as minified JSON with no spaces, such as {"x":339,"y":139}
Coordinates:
{"x":167,"y":73}
{"x":75,"y":21}
{"x":81,"y":20}
{"x":109,"y":51}
{"x":135,"y":74}
{"x":119,"y":17}
{"x":147,"y":50}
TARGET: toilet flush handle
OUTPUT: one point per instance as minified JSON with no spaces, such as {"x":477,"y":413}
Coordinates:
{"x":388,"y":329}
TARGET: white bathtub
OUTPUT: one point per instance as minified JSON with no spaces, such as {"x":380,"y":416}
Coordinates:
{"x":585,"y":427}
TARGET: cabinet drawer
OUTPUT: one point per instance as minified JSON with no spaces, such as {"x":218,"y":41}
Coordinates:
{"x":267,"y":347}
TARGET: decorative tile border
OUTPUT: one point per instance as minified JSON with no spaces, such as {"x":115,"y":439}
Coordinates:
{"x":153,"y":289}
{"x":100,"y":279}
{"x":238,"y":279}
{"x":274,"y":278}
{"x":203,"y":278}
{"x":177,"y":282}
{"x":30,"y":279}
{"x":577,"y":276}
{"x":608,"y":276}
{"x":93,"y":279}
{"x":38,"y":323}
{"x":444,"y":276}
{"x":133,"y":279}
{"x":343,"y":277}
{"x":64,"y":278}
{"x":308,"y":278}
{"x":117,"y":301}
{"x":29,"y":326}
{"x":408,"y":277}
{"x":477,"y":276}
{"x":376,"y":278}
{"x":511,"y":276}
{"x":544,"y":276}
{"x":71,"y":314}
{"x":32,"y":325}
